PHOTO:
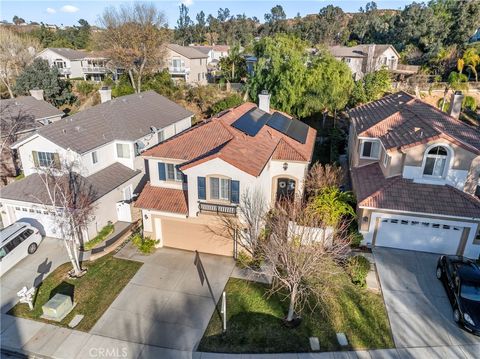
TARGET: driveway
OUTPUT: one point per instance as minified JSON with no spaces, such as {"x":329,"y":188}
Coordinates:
{"x":165,"y":304}
{"x":418,"y":308}
{"x":31,"y":270}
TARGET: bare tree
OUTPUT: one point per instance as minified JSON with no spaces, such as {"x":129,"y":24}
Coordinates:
{"x":320,"y":176}
{"x":134,"y":38}
{"x":69,"y":197}
{"x":16,"y":52}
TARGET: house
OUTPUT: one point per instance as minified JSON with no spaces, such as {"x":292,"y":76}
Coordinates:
{"x":363,"y":59}
{"x":187,"y":64}
{"x":214,"y":53}
{"x":415,"y":172}
{"x":104,"y":143}
{"x":76,"y":63}
{"x":204,"y":172}
{"x":20,"y":117}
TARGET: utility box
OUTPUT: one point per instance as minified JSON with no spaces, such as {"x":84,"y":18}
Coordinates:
{"x":57,"y":307}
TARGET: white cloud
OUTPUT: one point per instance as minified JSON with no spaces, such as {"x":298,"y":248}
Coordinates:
{"x":51,"y":10}
{"x":187,"y":2}
{"x":69,"y":8}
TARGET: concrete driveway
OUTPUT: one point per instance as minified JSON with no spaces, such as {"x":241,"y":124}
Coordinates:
{"x":418,"y":307}
{"x":31,"y":270}
{"x":165,"y":304}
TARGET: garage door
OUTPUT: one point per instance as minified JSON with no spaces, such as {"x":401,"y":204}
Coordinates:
{"x":39,"y":219}
{"x":192,"y":236}
{"x":425,"y":236}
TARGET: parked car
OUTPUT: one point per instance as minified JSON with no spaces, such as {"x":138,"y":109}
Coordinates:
{"x":16,"y":242}
{"x":461,"y":279}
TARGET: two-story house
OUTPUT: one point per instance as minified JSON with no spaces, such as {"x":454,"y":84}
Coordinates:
{"x":76,"y":63}
{"x":104,"y":144}
{"x":19,"y":117}
{"x":205,"y":172}
{"x":187,"y":63}
{"x":363,"y":59}
{"x":415,"y":172}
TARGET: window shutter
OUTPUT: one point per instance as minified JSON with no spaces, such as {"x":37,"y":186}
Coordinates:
{"x":235,"y":191}
{"x":35,"y":158}
{"x":201,"y":188}
{"x":56,"y":161}
{"x":161,"y":171}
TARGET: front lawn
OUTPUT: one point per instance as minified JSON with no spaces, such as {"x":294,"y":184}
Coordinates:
{"x":254,"y":322}
{"x":93,"y":293}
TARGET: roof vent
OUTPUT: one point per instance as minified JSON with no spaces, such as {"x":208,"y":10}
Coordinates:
{"x":64,"y":131}
{"x":77,"y":128}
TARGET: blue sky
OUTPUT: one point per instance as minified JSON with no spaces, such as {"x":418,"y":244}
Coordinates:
{"x":68,"y":12}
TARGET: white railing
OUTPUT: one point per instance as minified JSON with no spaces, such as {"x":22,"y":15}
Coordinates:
{"x":178,"y":70}
{"x":64,"y":71}
{"x":94,"y":70}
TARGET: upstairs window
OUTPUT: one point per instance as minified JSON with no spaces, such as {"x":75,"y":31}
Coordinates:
{"x":370,"y":149}
{"x":46,"y":159}
{"x":220,"y":188}
{"x":123,"y":150}
{"x":435,"y":162}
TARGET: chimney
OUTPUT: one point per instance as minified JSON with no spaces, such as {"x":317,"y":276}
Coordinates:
{"x":37,"y":94}
{"x":105,"y":94}
{"x":370,"y":58}
{"x":456,"y":104}
{"x":264,"y":101}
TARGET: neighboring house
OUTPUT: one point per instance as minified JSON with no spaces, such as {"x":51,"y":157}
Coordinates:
{"x":19,"y":118}
{"x":363,"y":59}
{"x":250,"y":61}
{"x":76,"y":63}
{"x":205,"y":172}
{"x":104,"y":142}
{"x":415,"y":172}
{"x":214,"y":53}
{"x":187,"y":63}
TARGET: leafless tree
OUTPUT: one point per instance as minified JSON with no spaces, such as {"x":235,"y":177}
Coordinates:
{"x":69,"y":197}
{"x":320,"y":176}
{"x":16,"y":52}
{"x":134,"y":38}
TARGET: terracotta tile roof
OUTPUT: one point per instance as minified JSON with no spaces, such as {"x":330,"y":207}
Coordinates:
{"x":163,"y":199}
{"x":218,"y":139}
{"x":373,"y":190}
{"x":400,"y":120}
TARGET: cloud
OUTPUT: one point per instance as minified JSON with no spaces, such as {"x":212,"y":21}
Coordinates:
{"x":187,"y":2}
{"x":51,"y":10}
{"x":69,"y":8}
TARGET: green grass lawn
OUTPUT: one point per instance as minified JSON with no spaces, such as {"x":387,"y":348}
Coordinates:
{"x":254,"y":323}
{"x":99,"y":238}
{"x":93,"y":293}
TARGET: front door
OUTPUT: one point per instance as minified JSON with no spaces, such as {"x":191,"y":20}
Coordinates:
{"x":285,"y":189}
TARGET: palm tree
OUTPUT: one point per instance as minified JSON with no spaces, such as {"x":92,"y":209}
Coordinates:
{"x":471,"y":58}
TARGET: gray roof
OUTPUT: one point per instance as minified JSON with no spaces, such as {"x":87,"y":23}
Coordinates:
{"x":188,"y":51}
{"x":126,"y":118}
{"x":31,"y":189}
{"x":359,"y":50}
{"x":203,"y":49}
{"x":70,"y":54}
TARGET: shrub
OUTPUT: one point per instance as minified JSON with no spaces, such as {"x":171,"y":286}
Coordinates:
{"x":357,"y":268}
{"x":440,"y":104}
{"x":85,"y":87}
{"x":469,"y":103}
{"x":146,"y":245}
{"x":228,"y":102}
{"x":356,"y":239}
{"x":245,"y":260}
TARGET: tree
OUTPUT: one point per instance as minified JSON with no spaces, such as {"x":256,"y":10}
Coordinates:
{"x":331,"y":26}
{"x":69,"y":198}
{"x":455,"y":82}
{"x":319,"y":177}
{"x":16,"y":52}
{"x":377,"y":83}
{"x":18,"y":20}
{"x":275,"y":20}
{"x":471,"y":58}
{"x":332,"y":205}
{"x":134,"y":38}
{"x":233,"y":66}
{"x":184,"y":29}
{"x":201,"y":27}
{"x":39,"y":75}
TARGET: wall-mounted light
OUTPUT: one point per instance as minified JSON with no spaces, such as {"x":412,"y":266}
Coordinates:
{"x":365,"y":219}
{"x":285,"y":166}
{"x":145,"y":216}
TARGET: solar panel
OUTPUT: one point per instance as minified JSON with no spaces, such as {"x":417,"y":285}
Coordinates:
{"x":251,"y":122}
{"x":292,"y":128}
{"x":279,"y":122}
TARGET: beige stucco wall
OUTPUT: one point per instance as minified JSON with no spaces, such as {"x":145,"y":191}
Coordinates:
{"x":473,"y":176}
{"x":196,"y":67}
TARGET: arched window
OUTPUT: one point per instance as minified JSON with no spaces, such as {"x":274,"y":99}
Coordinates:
{"x":435,"y":162}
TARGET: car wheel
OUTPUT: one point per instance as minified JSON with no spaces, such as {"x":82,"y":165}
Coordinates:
{"x":32,"y":248}
{"x":439,"y":273}
{"x":456,"y":315}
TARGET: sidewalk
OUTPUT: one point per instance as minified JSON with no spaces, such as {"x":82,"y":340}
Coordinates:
{"x":41,"y":340}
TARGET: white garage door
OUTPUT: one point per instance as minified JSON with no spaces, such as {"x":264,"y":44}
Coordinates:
{"x":425,"y":235}
{"x":39,"y":219}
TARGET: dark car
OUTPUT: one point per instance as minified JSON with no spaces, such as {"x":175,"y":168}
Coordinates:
{"x":461,"y":279}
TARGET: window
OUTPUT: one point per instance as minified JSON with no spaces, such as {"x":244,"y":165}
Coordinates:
{"x":94,"y":157}
{"x":45,"y":159}
{"x":435,"y":162}
{"x":386,"y":158}
{"x":123,"y":150}
{"x":173,"y":173}
{"x":220,"y":188}
{"x":370,"y":149}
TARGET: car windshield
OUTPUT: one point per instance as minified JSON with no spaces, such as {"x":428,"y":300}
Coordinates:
{"x":470,"y":291}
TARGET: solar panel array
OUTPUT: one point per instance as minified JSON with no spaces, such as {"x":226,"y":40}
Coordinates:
{"x":252,"y":121}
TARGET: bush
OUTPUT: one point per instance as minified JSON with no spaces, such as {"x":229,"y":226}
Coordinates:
{"x":356,"y":239}
{"x":440,"y":104}
{"x":228,"y":102}
{"x":357,"y":268}
{"x":85,"y":88}
{"x":245,"y":260}
{"x":145,"y":245}
{"x":469,"y":103}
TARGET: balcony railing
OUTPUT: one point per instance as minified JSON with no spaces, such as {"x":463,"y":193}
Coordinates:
{"x":178,"y":70}
{"x":217,"y":208}
{"x":94,"y":70}
{"x":64,"y":71}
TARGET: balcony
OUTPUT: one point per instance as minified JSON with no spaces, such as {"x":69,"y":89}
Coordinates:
{"x":217,"y":208}
{"x":64,"y":71}
{"x":94,"y":70}
{"x":178,"y":70}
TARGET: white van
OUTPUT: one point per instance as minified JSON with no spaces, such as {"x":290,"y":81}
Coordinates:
{"x":16,"y":242}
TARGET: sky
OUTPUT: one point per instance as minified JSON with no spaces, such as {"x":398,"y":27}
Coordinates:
{"x":68,"y":12}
